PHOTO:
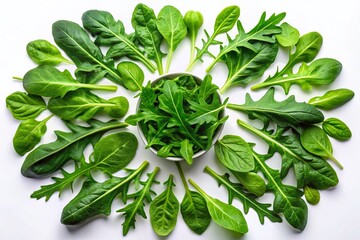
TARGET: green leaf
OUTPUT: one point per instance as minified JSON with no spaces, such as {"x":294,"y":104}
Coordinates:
{"x":25,"y":106}
{"x":252,"y":182}
{"x":29,"y":134}
{"x":48,"y":81}
{"x":137,"y":206}
{"x":132,"y":75}
{"x":171,"y":25}
{"x":50,"y":157}
{"x":332,"y":99}
{"x":120,"y":108}
{"x":337,"y":129}
{"x":315,"y":140}
{"x":43,"y":52}
{"x":289,"y":35}
{"x":234,"y":153}
{"x":225,"y":215}
{"x":245,"y":65}
{"x":164,"y":210}
{"x":186,"y":151}
{"x":284,"y":114}
{"x":194,"y":212}
{"x":312,"y":195}
{"x":248,"y":200}
{"x":204,"y":112}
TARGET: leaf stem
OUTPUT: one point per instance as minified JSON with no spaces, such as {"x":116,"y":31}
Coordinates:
{"x":182,"y":176}
{"x":337,"y":163}
{"x":168,"y":60}
{"x":17,"y":78}
{"x":99,"y":87}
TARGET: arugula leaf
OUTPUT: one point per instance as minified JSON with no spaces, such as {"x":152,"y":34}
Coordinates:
{"x":224,"y":22}
{"x":29,"y":134}
{"x":144,"y":22}
{"x":50,"y":157}
{"x":263,"y":31}
{"x":164,"y":210}
{"x":245,"y":65}
{"x":96,"y":198}
{"x":171,"y":25}
{"x":76,"y":43}
{"x":25,"y":106}
{"x":48,"y":81}
{"x":43,"y":52}
{"x":284,"y":114}
{"x":248,"y":200}
{"x":137,"y":206}
{"x":186,"y":151}
{"x":337,"y":129}
{"x":332,"y":99}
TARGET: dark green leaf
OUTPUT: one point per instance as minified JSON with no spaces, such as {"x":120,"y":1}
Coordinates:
{"x":186,"y":151}
{"x":132,"y":75}
{"x":25,"y":106}
{"x":337,"y":129}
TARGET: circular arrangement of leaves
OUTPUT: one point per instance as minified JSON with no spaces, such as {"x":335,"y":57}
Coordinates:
{"x":178,"y":117}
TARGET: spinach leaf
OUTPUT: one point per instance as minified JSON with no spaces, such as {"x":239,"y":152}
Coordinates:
{"x":332,"y":99}
{"x":48,"y":81}
{"x":306,"y":49}
{"x":289,"y":35}
{"x":29,"y":134}
{"x":309,"y":169}
{"x":132,"y":75}
{"x":248,"y":200}
{"x":312,"y":195}
{"x":252,"y":182}
{"x":164,"y":210}
{"x":96,"y":198}
{"x":288,"y":199}
{"x":224,"y":22}
{"x":111,"y":154}
{"x":76,"y":43}
{"x":263,"y":31}
{"x":137,"y":206}
{"x":43,"y":52}
{"x":245,"y":65}
{"x":25,"y":106}
{"x":315,"y":140}
{"x":193,"y":21}
{"x":186,"y":151}
{"x":234,"y":153}
{"x":50,"y":157}
{"x":111,"y":33}
{"x":225,"y":215}
{"x":284,"y":114}
{"x":144,"y":22}
{"x":337,"y":129}
{"x":171,"y":25}
{"x":82,"y":104}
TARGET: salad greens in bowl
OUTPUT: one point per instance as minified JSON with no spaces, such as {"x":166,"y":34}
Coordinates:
{"x":179,"y":116}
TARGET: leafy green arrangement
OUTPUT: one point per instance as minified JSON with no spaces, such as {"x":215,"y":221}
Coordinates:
{"x":179,"y":117}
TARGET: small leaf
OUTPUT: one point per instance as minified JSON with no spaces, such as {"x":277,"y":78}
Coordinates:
{"x":289,"y":35}
{"x":186,"y":151}
{"x":132,"y":75}
{"x":312,"y":195}
{"x":337,"y":129}
{"x":332,"y":99}
{"x":25,"y":106}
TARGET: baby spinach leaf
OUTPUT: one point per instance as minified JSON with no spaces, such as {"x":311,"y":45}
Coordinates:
{"x":289,"y":35}
{"x":96,"y":198}
{"x":48,"y":81}
{"x":263,"y":31}
{"x":306,"y":50}
{"x":25,"y":106}
{"x":50,"y":157}
{"x":332,"y":99}
{"x":43,"y":52}
{"x":234,"y":153}
{"x":245,"y":65}
{"x":337,"y":129}
{"x":29,"y":134}
{"x":76,"y":43}
{"x":193,"y":21}
{"x":288,"y":199}
{"x":225,"y":215}
{"x":247,"y":199}
{"x":111,"y":33}
{"x":171,"y":25}
{"x":119,"y":109}
{"x":309,"y":168}
{"x":315,"y":140}
{"x":164,"y":210}
{"x":132,"y":75}
{"x":144,"y":22}
{"x":137,"y":206}
{"x":224,"y":22}
{"x":284,"y":114}
{"x":252,"y":182}
{"x":82,"y":104}
{"x":312,"y":195}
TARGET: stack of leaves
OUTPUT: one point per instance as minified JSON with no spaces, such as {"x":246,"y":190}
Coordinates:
{"x":179,"y":116}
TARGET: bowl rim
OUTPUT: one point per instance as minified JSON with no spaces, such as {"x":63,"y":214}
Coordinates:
{"x":217,"y":132}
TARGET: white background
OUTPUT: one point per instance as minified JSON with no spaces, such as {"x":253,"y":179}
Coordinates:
{"x":335,"y":217}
